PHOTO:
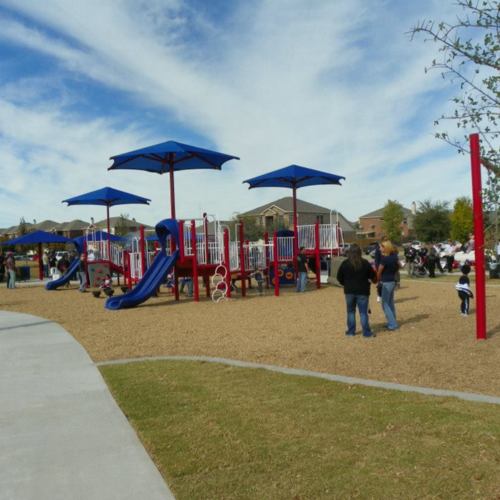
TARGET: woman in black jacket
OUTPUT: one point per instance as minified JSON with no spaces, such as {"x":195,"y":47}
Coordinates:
{"x":355,"y":275}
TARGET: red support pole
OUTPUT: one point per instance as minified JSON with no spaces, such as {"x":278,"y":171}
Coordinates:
{"x":142,"y":249}
{"x":205,"y":230}
{"x":40,"y":262}
{"x":295,"y":231}
{"x":181,"y":241}
{"x":227,"y":262}
{"x":266,"y":256}
{"x":317,"y":255}
{"x":176,"y":275}
{"x":196,"y":288}
{"x":276,"y":266}
{"x":172,"y":186}
{"x":126,"y":265}
{"x":241,"y":236}
{"x":109,"y":233}
{"x":478,"y":237}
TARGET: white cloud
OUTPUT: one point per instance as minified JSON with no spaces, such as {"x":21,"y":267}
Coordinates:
{"x":330,"y":85}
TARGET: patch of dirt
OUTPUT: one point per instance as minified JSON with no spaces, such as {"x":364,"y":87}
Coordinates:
{"x":435,"y":346}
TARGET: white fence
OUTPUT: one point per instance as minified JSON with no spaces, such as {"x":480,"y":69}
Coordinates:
{"x":212,"y":252}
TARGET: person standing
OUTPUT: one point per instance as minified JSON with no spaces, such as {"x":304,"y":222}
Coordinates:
{"x":10,"y":265}
{"x":386,"y":273}
{"x":2,"y":266}
{"x":449,"y":251}
{"x":45,"y":262}
{"x":302,"y":270}
{"x":355,"y":275}
{"x":82,"y":273}
{"x":432,"y":261}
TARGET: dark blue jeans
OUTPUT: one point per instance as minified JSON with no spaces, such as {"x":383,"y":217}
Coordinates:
{"x":353,"y":300}
{"x":388,"y":304}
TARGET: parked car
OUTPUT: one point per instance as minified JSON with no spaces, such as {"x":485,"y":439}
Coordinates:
{"x":368,"y":250}
{"x":344,"y":247}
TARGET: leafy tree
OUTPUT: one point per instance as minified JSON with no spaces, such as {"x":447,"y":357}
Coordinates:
{"x":462,"y":223}
{"x":432,"y":221}
{"x":468,"y":57}
{"x":392,"y":216}
{"x":491,"y":203}
{"x":122,"y":226}
{"x":23,"y":227}
{"x":253,"y":231}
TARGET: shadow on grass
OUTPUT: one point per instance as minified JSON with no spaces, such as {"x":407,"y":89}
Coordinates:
{"x":404,"y":299}
{"x":381,"y":327}
{"x":493,"y":331}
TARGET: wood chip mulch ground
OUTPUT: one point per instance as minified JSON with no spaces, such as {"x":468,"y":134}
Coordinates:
{"x":435,"y":346}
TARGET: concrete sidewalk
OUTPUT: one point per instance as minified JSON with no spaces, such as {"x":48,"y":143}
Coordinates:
{"x":62,"y":436}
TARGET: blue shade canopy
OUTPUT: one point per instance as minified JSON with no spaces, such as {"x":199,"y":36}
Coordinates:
{"x":294,"y":176}
{"x":161,"y":157}
{"x":37,"y":237}
{"x":108,"y":197}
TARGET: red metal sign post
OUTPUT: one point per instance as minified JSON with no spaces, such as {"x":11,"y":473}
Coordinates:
{"x":477,"y":206}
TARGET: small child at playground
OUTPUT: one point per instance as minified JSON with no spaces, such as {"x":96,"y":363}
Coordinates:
{"x":258,"y":276}
{"x":464,"y":291}
{"x":106,"y":285}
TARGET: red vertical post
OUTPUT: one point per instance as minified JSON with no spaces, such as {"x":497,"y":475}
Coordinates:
{"x":295,"y":231}
{"x":196,"y":286}
{"x":126,"y":265}
{"x":241,"y":235}
{"x":181,"y":241}
{"x":227,"y":262}
{"x":172,"y":186}
{"x":477,"y":205}
{"x":266,"y":257}
{"x":205,"y":230}
{"x":176,"y":275}
{"x":276,"y":266}
{"x":142,"y":250}
{"x":109,"y":233}
{"x":317,"y":255}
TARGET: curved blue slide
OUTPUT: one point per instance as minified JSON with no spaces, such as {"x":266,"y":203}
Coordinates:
{"x":152,"y":279}
{"x":53,"y":284}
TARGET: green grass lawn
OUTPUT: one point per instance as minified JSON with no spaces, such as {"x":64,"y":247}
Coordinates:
{"x":223,"y":432}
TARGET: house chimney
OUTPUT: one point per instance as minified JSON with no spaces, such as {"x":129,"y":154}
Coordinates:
{"x":413,"y":208}
{"x":92,"y":220}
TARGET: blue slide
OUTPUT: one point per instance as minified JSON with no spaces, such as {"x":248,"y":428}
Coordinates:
{"x":161,"y":266}
{"x":53,"y":284}
{"x":152,"y":279}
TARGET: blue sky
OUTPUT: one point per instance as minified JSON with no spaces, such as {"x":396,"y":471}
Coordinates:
{"x":332,"y":85}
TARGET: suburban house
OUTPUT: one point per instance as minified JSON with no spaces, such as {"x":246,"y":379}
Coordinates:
{"x":120,"y":225}
{"x":371,"y":223}
{"x":71,"y":229}
{"x":74,"y":228}
{"x":278,"y":214}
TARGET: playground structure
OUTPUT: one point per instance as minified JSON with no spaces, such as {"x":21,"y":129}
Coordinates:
{"x":187,"y":250}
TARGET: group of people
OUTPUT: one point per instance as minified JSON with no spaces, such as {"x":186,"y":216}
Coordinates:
{"x":356,"y":274}
{"x":8,"y":269}
{"x":435,"y":256}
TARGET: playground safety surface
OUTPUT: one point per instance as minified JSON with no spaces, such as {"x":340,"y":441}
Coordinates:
{"x":435,"y":346}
